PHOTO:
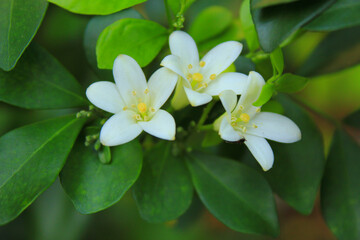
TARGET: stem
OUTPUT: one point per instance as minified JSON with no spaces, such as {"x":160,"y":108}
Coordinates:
{"x":206,"y":127}
{"x":205,"y":114}
{"x":168,"y":14}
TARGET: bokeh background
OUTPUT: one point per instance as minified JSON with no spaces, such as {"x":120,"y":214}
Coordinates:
{"x":334,"y":90}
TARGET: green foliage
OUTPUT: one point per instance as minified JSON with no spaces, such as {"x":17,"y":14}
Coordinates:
{"x":343,"y":14}
{"x":338,"y":50}
{"x":340,"y":189}
{"x":298,"y":167}
{"x":353,"y":120}
{"x":175,"y":5}
{"x":244,"y":65}
{"x":19,"y":21}
{"x":39,"y":81}
{"x":265,"y":94}
{"x":210,"y":22}
{"x":277,"y":60}
{"x":96,"y":25}
{"x":290,"y":83}
{"x":248,"y":26}
{"x":94,"y":186}
{"x":140,"y":39}
{"x":31,"y":158}
{"x":274,"y":25}
{"x":164,"y":189}
{"x":235,"y":194}
{"x":267,"y":3}
{"x":95,"y":7}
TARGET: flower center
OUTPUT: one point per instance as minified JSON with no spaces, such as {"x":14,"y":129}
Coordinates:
{"x":142,"y":107}
{"x":198,"y":77}
{"x":244,"y":117}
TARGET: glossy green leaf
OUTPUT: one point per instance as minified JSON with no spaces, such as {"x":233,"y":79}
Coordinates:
{"x":244,"y":65}
{"x":338,"y":50}
{"x":19,"y":21}
{"x":39,"y":81}
{"x":273,"y":106}
{"x":265,"y":95}
{"x":275,"y":24}
{"x":96,"y":25}
{"x":31,"y":158}
{"x":248,"y":26}
{"x":340,"y":188}
{"x":93,"y":186}
{"x":298,"y":167}
{"x":267,"y":3}
{"x":343,"y":14}
{"x":175,"y":5}
{"x":140,"y":39}
{"x":290,"y":83}
{"x":277,"y":60}
{"x":353,"y":120}
{"x":95,"y":7}
{"x":164,"y":189}
{"x":212,"y":138}
{"x":210,"y":22}
{"x":237,"y":195}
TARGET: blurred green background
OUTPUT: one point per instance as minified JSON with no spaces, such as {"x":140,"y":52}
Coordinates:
{"x":334,"y":90}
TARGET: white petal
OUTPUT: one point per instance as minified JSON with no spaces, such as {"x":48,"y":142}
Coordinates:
{"x":184,"y":46}
{"x":228,"y":99}
{"x":173,"y":63}
{"x":275,"y":127}
{"x":254,"y":85}
{"x":120,"y":128}
{"x":220,"y":57}
{"x":129,"y":77}
{"x":106,"y":96}
{"x":227,"y":132}
{"x":261,"y":151}
{"x":161,"y":85}
{"x":196,"y":98}
{"x":162,"y":125}
{"x":227,"y":81}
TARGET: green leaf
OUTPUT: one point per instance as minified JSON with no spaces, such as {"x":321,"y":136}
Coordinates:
{"x":265,"y":95}
{"x":31,"y":158}
{"x":244,"y":65}
{"x":210,"y":22}
{"x":298,"y":167}
{"x":39,"y":81}
{"x":338,"y":50}
{"x":248,"y":26}
{"x":175,"y":5}
{"x":140,"y":39}
{"x":290,"y":83}
{"x":19,"y":21}
{"x":277,"y":23}
{"x":164,"y":189}
{"x":353,"y":120}
{"x":277,"y":60}
{"x":95,"y":7}
{"x":237,"y":195}
{"x":340,"y":189}
{"x":273,"y":106}
{"x":211,"y":138}
{"x":93,"y":186}
{"x":343,"y":14}
{"x":96,"y":25}
{"x":267,"y":3}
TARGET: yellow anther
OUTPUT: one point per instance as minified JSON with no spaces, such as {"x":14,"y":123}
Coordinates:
{"x":244,"y":117}
{"x":189,"y":76}
{"x":152,"y":109}
{"x":233,"y":124}
{"x":254,"y":126}
{"x":198,"y":77}
{"x":146,"y":118}
{"x":190,"y":66}
{"x":212,"y":76}
{"x":258,"y":110}
{"x":142,"y":107}
{"x":205,"y":85}
{"x":125,"y":108}
{"x":146,"y":91}
{"x":202,"y":63}
{"x":241,"y":107}
{"x":133,"y":105}
{"x":133,"y":93}
{"x":138,"y":117}
{"x":233,"y":119}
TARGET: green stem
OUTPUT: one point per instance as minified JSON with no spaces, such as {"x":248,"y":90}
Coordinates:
{"x":168,"y":14}
{"x":205,"y":114}
{"x":206,"y":127}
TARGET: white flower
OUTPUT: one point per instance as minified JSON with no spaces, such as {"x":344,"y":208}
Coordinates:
{"x":202,"y":79}
{"x":244,"y":121}
{"x":135,"y":103}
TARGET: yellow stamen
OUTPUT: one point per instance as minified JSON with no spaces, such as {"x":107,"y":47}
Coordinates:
{"x":133,"y":105}
{"x":258,"y":110}
{"x":205,"y":85}
{"x":189,"y":76}
{"x":190,"y":66}
{"x":125,"y":108}
{"x":152,"y":109}
{"x":138,"y":117}
{"x":241,"y":107}
{"x":142,"y":107}
{"x":244,"y":129}
{"x":254,"y":126}
{"x":202,"y":63}
{"x":133,"y":93}
{"x":146,"y":91}
{"x":212,"y":76}
{"x":244,"y":117}
{"x":198,"y":77}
